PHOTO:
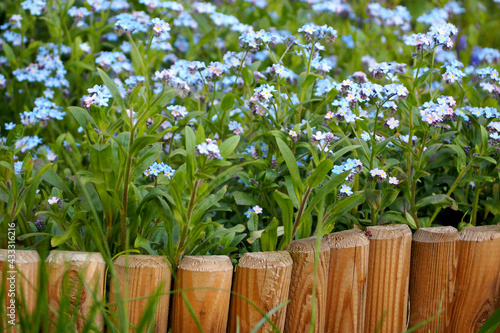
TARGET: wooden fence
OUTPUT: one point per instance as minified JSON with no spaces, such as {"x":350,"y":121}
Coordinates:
{"x":383,"y":280}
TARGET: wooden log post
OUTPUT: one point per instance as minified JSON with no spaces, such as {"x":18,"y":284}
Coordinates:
{"x":346,"y":301}
{"x":264,"y":279}
{"x":76,"y":279}
{"x":434,"y":258}
{"x":141,"y":280}
{"x":299,"y":314}
{"x":477,"y":291}
{"x":19,"y":276}
{"x":388,"y":278}
{"x":207,"y":284}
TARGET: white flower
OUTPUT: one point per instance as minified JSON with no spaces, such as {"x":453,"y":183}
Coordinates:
{"x":393,"y":181}
{"x":392,"y":123}
{"x":257,"y":209}
{"x":53,"y":200}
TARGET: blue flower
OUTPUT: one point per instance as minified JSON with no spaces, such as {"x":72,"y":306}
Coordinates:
{"x":346,"y":190}
{"x":9,"y":126}
{"x":337,"y":169}
{"x":249,"y":212}
{"x":34,"y":6}
{"x":349,"y":42}
{"x":18,"y":167}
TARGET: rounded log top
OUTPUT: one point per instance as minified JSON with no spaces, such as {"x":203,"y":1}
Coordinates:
{"x":346,"y":239}
{"x":57,"y":256}
{"x":22,"y":256}
{"x":436,"y":235}
{"x":141,"y":261}
{"x":205,"y":263}
{"x":389,"y":231}
{"x":307,"y":245}
{"x":482,"y":233}
{"x":258,"y":260}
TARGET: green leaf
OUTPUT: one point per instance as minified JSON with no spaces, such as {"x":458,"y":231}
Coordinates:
{"x":248,"y":76}
{"x":347,"y":204}
{"x":324,"y":190}
{"x":143,"y":141}
{"x":291,"y":163}
{"x":244,"y":199}
{"x":140,"y":241}
{"x":14,"y":135}
{"x":39,"y":174}
{"x":460,"y":154}
{"x":331,"y":94}
{"x":309,"y":80}
{"x":392,"y":217}
{"x":421,"y":79}
{"x":493,"y":206}
{"x":388,"y":197}
{"x":286,"y":205}
{"x":484,"y":139}
{"x":341,"y":207}
{"x":112,"y":89}
{"x":228,"y":146}
{"x":319,"y":173}
{"x":442,"y":200}
{"x":487,"y":158}
{"x":51,"y":177}
{"x":473,"y":96}
{"x":82,"y":116}
{"x":160,"y":103}
{"x":269,"y":238}
{"x":190,"y":149}
{"x":492,"y":323}
{"x":341,"y":152}
{"x":206,"y":204}
{"x":227,"y":102}
{"x":73,"y":230}
{"x":374,"y":198}
{"x":410,"y":221}
{"x":9,"y":53}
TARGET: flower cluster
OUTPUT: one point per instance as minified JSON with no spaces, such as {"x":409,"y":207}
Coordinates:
{"x":398,"y":18}
{"x":28,"y":142}
{"x":438,"y":34}
{"x":312,"y":31}
{"x":209,"y":148}
{"x":100,"y":96}
{"x":178,"y":111}
{"x":323,"y":140}
{"x":157,"y":168}
{"x":235,"y":127}
{"x":378,"y":175}
{"x":253,"y":40}
{"x":44,"y":111}
{"x":351,"y":164}
{"x":254,"y":210}
{"x":435,"y":113}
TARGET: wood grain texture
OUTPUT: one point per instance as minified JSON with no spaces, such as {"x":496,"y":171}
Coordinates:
{"x":477,"y":292}
{"x":299,"y":311}
{"x":141,"y":277}
{"x":346,"y":301}
{"x":264,"y":279}
{"x":67,"y":271}
{"x":434,"y":259}
{"x":388,"y":278}
{"x":27,"y":265}
{"x":209,"y":280}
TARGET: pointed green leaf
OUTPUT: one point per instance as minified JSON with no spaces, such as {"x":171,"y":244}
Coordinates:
{"x":228,"y":146}
{"x":319,"y":173}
